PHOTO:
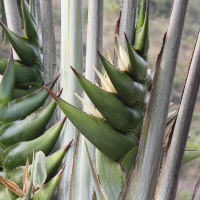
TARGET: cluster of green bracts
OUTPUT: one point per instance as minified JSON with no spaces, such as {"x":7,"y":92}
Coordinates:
{"x":28,"y":70}
{"x":23,"y":115}
{"x":114,"y":127}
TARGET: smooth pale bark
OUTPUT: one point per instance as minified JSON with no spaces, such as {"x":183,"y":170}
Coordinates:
{"x":69,"y":183}
{"x":13,"y":19}
{"x":65,"y":25}
{"x":94,"y":42}
{"x":142,"y":182}
{"x":49,"y":48}
{"x":126,"y":24}
{"x":168,"y":183}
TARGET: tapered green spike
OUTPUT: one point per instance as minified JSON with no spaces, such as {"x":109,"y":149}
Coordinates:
{"x":112,"y":143}
{"x":128,"y":161}
{"x":7,"y":82}
{"x":141,"y":43}
{"x":33,"y":10}
{"x":18,"y":92}
{"x":23,"y":74}
{"x":53,"y":163}
{"x":138,"y":66}
{"x":116,"y":113}
{"x":129,"y":91}
{"x":16,"y":155}
{"x":141,"y":14}
{"x":30,"y":26}
{"x":33,"y":124}
{"x":190,"y":155}
{"x":27,"y":50}
{"x":19,"y":108}
{"x":47,"y":191}
{"x":147,"y":82}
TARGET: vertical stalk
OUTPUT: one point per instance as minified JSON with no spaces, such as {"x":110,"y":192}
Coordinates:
{"x":168,"y":183}
{"x":145,"y":174}
{"x":94,"y":42}
{"x":13,"y":19}
{"x":65,"y":25}
{"x":126,"y":24}
{"x":69,"y":183}
{"x":48,"y":43}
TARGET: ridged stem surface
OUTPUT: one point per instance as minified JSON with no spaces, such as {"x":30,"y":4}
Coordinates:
{"x":94,"y":42}
{"x":147,"y":167}
{"x":126,"y":24}
{"x":70,"y":186}
{"x":168,"y":183}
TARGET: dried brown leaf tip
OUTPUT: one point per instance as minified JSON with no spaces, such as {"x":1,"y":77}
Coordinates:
{"x":12,"y":187}
{"x":26,"y":178}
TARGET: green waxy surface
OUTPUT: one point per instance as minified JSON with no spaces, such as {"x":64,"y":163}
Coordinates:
{"x":141,"y":14}
{"x":18,"y":92}
{"x":16,"y":155}
{"x":53,"y":164}
{"x":2,"y":149}
{"x":129,"y":91}
{"x":47,"y":191}
{"x":97,"y":186}
{"x":112,"y":143}
{"x":142,"y":37}
{"x":33,"y":9}
{"x":30,"y":25}
{"x":20,"y":108}
{"x":40,"y":169}
{"x":111,"y":175}
{"x":138,"y":66}
{"x":7,"y":82}
{"x":129,"y":160}
{"x":116,"y":113}
{"x":29,"y":128}
{"x":27,"y":50}
{"x":23,"y":74}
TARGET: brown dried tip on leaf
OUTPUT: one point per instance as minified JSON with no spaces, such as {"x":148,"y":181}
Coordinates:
{"x":12,"y":187}
{"x":75,"y":72}
{"x":26,"y":178}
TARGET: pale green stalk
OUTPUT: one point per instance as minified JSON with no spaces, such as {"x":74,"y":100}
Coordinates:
{"x":168,"y":183}
{"x":65,"y":25}
{"x":94,"y":42}
{"x":76,"y":61}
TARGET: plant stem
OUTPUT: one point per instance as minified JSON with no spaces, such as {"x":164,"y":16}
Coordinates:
{"x":168,"y":183}
{"x":49,"y":48}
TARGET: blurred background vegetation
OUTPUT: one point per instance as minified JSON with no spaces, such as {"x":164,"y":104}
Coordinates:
{"x":159,"y":17}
